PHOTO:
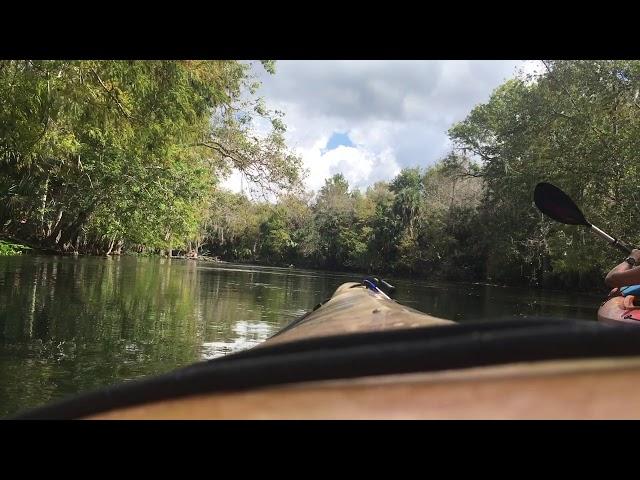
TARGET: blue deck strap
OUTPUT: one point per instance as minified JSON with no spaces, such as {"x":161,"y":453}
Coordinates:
{"x":630,"y":290}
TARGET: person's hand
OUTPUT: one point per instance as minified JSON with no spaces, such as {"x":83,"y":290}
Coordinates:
{"x":635,"y":253}
{"x":615,"y":293}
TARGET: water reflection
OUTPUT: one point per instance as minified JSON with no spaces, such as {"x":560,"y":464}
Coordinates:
{"x":246,"y":335}
{"x":74,"y":324}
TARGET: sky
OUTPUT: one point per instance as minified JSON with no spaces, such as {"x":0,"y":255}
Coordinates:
{"x":369,"y":119}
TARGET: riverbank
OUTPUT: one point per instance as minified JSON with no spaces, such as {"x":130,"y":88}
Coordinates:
{"x":22,"y":247}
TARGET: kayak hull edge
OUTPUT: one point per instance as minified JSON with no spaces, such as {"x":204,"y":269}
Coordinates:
{"x":614,"y":312}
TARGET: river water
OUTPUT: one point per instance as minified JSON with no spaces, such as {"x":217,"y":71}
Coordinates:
{"x":69,"y":324}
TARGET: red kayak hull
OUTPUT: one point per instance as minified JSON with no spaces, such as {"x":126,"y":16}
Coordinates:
{"x":614,"y":312}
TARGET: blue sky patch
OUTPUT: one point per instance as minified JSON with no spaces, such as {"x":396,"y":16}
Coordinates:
{"x":337,"y":139}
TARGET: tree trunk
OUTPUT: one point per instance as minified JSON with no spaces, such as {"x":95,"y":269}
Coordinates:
{"x":73,"y":229}
{"x":111,"y":243}
{"x":170,"y":249}
{"x":56,"y":232}
{"x":52,"y":226}
{"x":43,"y":205}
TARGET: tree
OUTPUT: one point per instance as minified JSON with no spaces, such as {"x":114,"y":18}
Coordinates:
{"x":340,"y":243}
{"x":95,"y":153}
{"x":576,"y":126}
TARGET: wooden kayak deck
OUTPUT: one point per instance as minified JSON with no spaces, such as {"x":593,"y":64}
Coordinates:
{"x":584,"y":389}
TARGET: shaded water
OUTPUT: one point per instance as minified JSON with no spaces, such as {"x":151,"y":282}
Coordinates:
{"x":72,"y":324}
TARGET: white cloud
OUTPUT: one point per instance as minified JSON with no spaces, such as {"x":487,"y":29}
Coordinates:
{"x":533,"y":67}
{"x":396,"y":113}
{"x":360,"y":166}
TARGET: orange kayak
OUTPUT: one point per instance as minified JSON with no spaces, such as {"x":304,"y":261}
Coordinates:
{"x":620,"y":311}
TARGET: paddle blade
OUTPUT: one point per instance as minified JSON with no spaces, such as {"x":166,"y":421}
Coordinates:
{"x":556,"y":204}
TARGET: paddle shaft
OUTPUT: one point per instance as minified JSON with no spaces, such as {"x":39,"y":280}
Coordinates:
{"x":619,"y":244}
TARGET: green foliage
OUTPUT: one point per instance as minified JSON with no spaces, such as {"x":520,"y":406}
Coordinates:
{"x":388,"y":228}
{"x":578,"y":126}
{"x":97,"y":154}
{"x":8,"y":248}
{"x":110,"y":156}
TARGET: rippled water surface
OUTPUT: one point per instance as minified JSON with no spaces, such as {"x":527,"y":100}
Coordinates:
{"x":72,"y":324}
